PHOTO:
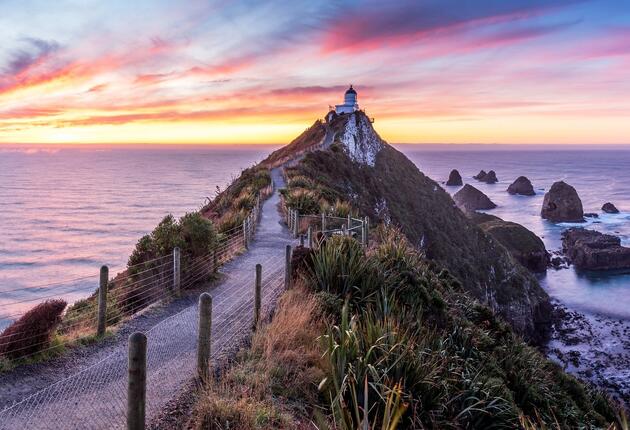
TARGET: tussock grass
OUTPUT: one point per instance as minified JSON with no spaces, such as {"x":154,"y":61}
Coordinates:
{"x":273,"y":384}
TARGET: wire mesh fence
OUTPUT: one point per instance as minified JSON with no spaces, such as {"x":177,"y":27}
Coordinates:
{"x":135,"y":288}
{"x":96,"y":397}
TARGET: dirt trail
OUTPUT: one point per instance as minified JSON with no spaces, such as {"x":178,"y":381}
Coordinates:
{"x":86,"y":388}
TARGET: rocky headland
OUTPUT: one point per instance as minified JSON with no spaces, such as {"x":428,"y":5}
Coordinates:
{"x":523,"y":244}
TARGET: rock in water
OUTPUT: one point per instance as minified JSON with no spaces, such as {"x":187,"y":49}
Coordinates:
{"x":562,"y":204}
{"x":490,"y":178}
{"x":470,"y":199}
{"x":609,"y":208}
{"x":479,"y":176}
{"x":522,"y":186}
{"x":454,"y":179}
{"x":526,"y":248}
{"x":592,"y":250}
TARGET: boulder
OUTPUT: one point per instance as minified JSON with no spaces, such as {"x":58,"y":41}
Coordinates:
{"x":562,"y":204}
{"x":526,"y":248}
{"x":454,"y":179}
{"x":479,"y":176}
{"x":470,"y":199}
{"x":490,"y":178}
{"x":522,"y":186}
{"x":590,"y":215}
{"x":609,"y":208}
{"x":592,"y":250}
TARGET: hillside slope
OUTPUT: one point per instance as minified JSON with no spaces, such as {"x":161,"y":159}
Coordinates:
{"x":381,"y":182}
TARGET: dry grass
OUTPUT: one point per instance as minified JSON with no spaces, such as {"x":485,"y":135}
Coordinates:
{"x":274,"y":383}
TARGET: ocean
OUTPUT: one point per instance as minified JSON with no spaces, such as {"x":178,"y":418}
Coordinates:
{"x":67,"y":211}
{"x":598,"y":175}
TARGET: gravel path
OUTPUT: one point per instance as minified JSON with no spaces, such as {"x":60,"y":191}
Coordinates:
{"x":86,"y":388}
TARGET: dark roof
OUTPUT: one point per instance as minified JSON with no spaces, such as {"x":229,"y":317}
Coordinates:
{"x":351,"y":90}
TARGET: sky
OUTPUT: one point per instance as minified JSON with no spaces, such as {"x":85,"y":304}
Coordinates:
{"x":228,"y":72}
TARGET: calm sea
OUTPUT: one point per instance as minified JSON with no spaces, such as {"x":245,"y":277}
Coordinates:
{"x":598,"y":174}
{"x":65,"y":212}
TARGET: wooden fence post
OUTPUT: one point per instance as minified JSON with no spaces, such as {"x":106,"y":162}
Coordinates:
{"x":363,"y":234}
{"x":177,"y":272}
{"x":204,"y":339}
{"x":349,"y":222}
{"x":102,"y":301}
{"x":309,"y":236}
{"x":296,"y":223}
{"x":290,"y":219}
{"x":215,"y":261}
{"x":367,"y":231}
{"x":323,"y":222}
{"x":257,"y":295}
{"x":245,"y":234}
{"x":137,"y":381}
{"x":287,"y":268}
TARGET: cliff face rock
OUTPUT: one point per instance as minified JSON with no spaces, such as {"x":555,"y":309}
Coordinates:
{"x":387,"y":182}
{"x":522,"y":186}
{"x":470,"y":199}
{"x":490,"y":177}
{"x":523,"y":244}
{"x":454,"y":179}
{"x":609,"y":208}
{"x":562,"y":204}
{"x":360,"y":140}
{"x":592,"y":250}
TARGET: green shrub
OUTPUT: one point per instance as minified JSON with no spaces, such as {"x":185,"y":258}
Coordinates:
{"x":305,"y":201}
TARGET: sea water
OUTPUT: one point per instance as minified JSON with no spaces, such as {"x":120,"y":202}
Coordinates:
{"x":599,"y":174}
{"x":67,"y":211}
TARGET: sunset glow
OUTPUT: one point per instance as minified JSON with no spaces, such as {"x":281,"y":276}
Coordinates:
{"x":511,"y":71}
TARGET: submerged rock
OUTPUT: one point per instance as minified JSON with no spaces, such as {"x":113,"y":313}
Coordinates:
{"x":490,"y":178}
{"x":454,"y":179}
{"x":526,"y":248}
{"x":522,"y":186}
{"x":592,"y":250}
{"x":562,"y":204}
{"x":481,"y":175}
{"x":609,"y":208}
{"x":590,"y":215}
{"x":470,"y":199}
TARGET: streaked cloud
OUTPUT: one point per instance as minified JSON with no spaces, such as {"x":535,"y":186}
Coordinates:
{"x":120,"y":71}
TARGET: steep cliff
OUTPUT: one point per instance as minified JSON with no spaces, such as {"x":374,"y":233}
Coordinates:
{"x":359,"y":167}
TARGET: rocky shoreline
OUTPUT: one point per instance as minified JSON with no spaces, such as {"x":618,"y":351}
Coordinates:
{"x":595,"y":348}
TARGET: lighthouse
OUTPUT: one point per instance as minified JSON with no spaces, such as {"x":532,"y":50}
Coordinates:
{"x":350,"y":103}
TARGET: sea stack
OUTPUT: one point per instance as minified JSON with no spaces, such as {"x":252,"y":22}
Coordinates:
{"x":609,"y":208}
{"x":470,"y":199}
{"x":490,"y":178}
{"x":480,"y":176}
{"x":522,"y":186}
{"x":454,"y":179}
{"x":562,"y":204}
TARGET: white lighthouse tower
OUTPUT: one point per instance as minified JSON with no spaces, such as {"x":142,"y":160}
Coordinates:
{"x":350,"y":103}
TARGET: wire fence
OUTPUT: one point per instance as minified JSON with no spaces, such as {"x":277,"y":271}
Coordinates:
{"x":134,"y":289}
{"x":312,"y":230}
{"x":96,"y":396}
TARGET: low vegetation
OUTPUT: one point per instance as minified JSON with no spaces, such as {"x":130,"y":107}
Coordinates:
{"x":33,"y":332}
{"x":392,"y":341}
